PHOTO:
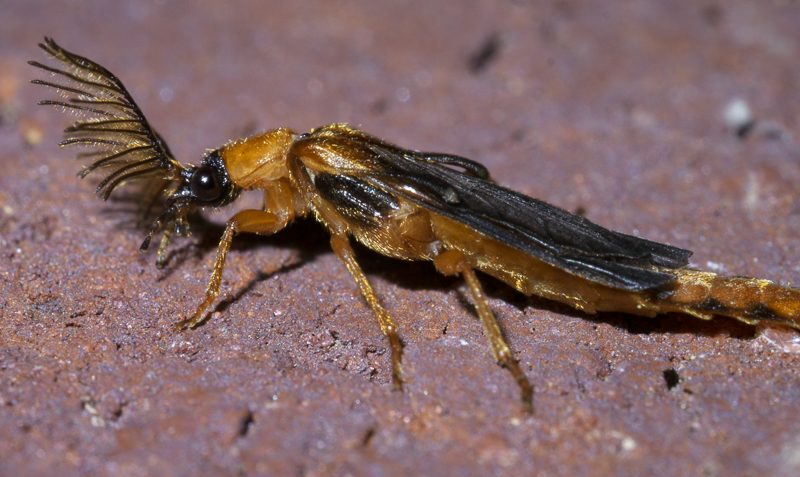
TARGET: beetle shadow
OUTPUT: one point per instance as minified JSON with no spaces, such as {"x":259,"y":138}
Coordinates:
{"x":664,"y":324}
{"x":304,"y":236}
{"x":423,"y":276}
{"x":309,"y":240}
{"x":407,"y":274}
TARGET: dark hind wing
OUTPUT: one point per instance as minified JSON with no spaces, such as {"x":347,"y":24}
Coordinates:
{"x":547,"y":232}
{"x":120,"y":141}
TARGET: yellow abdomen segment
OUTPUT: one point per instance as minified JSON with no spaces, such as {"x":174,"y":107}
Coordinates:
{"x":700,"y":294}
{"x":748,"y":299}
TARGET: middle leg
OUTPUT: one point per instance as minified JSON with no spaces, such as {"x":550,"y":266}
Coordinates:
{"x":341,"y":246}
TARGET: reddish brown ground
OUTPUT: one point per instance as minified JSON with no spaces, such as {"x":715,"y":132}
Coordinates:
{"x":609,"y":107}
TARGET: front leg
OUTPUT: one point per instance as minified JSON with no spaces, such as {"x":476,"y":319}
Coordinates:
{"x":341,"y":246}
{"x":255,"y":221}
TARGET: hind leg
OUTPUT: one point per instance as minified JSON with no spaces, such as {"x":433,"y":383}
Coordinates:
{"x":453,"y":262}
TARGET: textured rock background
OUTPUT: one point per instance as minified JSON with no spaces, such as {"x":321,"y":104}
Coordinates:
{"x":613,"y":108}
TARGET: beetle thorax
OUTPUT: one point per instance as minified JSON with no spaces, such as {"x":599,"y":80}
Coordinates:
{"x":258,"y":158}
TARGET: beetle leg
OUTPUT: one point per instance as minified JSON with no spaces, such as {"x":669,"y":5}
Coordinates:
{"x":161,"y":258}
{"x":255,"y":221}
{"x":341,"y":246}
{"x":453,"y":262}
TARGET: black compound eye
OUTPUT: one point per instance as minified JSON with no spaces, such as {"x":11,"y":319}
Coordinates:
{"x":205,"y":186}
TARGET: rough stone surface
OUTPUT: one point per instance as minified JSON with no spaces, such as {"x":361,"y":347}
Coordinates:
{"x":612,"y":108}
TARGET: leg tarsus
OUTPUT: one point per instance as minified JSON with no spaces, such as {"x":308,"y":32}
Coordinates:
{"x":199,"y":315}
{"x":526,"y":389}
{"x":397,"y":354}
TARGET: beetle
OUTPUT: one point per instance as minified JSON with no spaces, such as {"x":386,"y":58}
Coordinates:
{"x":402,"y":203}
